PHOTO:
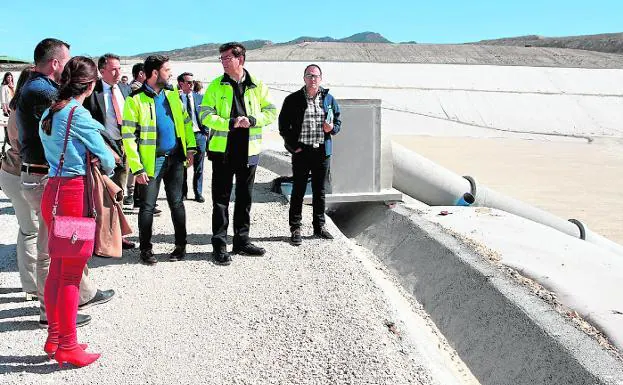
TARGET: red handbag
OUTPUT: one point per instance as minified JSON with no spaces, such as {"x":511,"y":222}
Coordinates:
{"x":69,"y":236}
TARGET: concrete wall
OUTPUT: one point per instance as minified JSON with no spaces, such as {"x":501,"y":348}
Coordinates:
{"x":504,"y":333}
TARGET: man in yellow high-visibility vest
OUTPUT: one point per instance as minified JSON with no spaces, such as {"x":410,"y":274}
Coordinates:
{"x":235,"y":107}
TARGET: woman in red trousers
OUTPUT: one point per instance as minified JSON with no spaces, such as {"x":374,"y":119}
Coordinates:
{"x":61,"y":293}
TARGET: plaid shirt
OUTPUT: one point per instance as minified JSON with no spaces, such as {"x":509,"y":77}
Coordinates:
{"x":311,"y":132}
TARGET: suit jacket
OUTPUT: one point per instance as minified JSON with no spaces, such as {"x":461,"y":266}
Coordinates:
{"x":96,"y":106}
{"x":95,"y":103}
{"x":197,"y":104}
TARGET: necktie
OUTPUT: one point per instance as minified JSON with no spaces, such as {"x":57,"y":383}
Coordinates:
{"x":188,"y":106}
{"x":115,"y":105}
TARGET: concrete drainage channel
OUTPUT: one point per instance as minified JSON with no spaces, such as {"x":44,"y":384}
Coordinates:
{"x":503,"y":332}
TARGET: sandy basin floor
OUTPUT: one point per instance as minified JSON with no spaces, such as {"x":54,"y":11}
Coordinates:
{"x":570,"y":179}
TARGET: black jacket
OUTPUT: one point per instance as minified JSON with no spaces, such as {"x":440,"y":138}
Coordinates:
{"x":96,"y":106}
{"x":95,"y":103}
{"x":293,"y":112}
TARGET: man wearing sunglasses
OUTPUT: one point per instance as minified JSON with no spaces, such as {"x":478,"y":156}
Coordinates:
{"x":308,"y":119}
{"x":235,"y":107}
{"x":191,"y":102}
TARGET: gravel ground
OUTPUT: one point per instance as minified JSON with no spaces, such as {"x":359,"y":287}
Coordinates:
{"x":323,"y":313}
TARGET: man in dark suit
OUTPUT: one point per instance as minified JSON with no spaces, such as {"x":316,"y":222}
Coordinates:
{"x":106,"y":106}
{"x":191,"y":101}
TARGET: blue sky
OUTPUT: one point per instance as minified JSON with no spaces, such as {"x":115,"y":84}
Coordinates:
{"x":126,"y":27}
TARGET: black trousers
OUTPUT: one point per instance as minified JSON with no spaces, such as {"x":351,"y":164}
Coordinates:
{"x":222,"y":182}
{"x":169,"y":169}
{"x":314,"y":161}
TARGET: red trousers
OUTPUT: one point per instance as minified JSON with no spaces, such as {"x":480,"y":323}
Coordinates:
{"x":62,"y":287}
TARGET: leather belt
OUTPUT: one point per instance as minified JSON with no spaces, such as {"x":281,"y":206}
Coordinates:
{"x":34,"y":169}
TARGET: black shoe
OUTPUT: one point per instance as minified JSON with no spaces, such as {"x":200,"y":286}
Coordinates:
{"x":249,"y":249}
{"x":323,"y":233}
{"x":147,"y":257}
{"x":157,"y":212}
{"x":101,"y":296}
{"x":221,"y":257}
{"x":128,"y":201}
{"x":178,"y":254}
{"x":296,"y":239}
{"x":81,"y":320}
{"x":127,"y":245}
{"x":199,"y":199}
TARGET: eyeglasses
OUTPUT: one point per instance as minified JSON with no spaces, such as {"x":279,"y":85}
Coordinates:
{"x":312,"y":76}
{"x":226,"y":58}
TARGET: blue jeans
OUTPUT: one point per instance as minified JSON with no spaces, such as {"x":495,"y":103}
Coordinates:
{"x":169,"y":169}
{"x":200,"y":155}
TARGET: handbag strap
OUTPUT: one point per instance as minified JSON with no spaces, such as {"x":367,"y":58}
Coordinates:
{"x":89,"y":186}
{"x":60,"y":169}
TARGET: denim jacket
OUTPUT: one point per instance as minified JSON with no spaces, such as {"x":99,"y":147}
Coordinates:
{"x":84,"y":135}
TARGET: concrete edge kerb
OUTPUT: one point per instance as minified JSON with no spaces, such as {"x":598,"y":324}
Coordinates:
{"x":503,"y":332}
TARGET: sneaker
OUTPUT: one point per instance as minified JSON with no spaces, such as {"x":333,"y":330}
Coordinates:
{"x":296,"y":239}
{"x":323,"y":233}
{"x":199,"y":199}
{"x":221,"y":257}
{"x":178,"y":254}
{"x":101,"y":296}
{"x":249,"y":249}
{"x":147,"y":257}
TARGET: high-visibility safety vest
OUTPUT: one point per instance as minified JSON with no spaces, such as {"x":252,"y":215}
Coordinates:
{"x":216,"y":111}
{"x":139,"y":130}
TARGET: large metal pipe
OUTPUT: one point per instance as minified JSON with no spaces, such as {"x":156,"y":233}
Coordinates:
{"x":434,"y":185}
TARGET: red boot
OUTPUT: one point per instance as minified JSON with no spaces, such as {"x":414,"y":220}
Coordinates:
{"x":51,"y":347}
{"x":75,"y":356}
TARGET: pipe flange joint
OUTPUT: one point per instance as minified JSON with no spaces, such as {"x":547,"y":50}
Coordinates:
{"x":580,"y":226}
{"x":472,"y":185}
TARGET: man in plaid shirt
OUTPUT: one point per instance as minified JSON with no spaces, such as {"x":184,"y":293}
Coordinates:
{"x":308,"y":119}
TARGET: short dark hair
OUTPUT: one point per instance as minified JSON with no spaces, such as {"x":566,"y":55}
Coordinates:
{"x":47,"y":48}
{"x":136,"y":68}
{"x":154,"y":62}
{"x":181,"y":77}
{"x":103,"y":60}
{"x":237,"y":49}
{"x":312,"y":65}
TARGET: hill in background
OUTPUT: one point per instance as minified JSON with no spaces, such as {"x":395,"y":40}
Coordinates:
{"x":207,"y":50}
{"x":590,"y":51}
{"x":606,"y":42}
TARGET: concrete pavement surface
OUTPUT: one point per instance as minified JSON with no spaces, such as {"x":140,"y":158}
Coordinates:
{"x":322,"y":313}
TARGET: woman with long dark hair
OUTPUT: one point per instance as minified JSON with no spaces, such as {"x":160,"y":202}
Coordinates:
{"x":10,"y":183}
{"x":7,"y":92}
{"x":61,"y":293}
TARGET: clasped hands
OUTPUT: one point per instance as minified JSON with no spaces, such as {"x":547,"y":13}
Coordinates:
{"x":242,"y":122}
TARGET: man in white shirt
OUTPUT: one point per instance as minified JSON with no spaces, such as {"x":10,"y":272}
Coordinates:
{"x":106,"y":106}
{"x":191,"y":102}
